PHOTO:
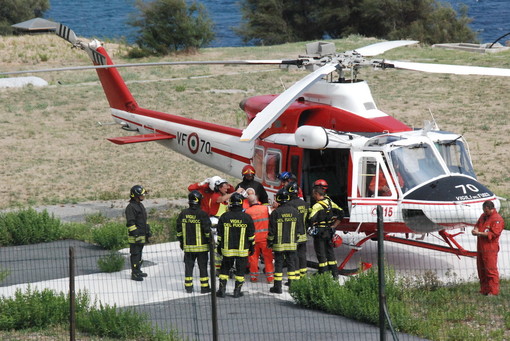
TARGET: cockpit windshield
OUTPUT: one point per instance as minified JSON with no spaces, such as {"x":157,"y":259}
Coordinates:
{"x":415,"y":164}
{"x":455,"y":155}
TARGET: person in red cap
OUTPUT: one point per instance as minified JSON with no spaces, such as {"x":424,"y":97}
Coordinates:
{"x":487,"y":230}
{"x":249,"y":181}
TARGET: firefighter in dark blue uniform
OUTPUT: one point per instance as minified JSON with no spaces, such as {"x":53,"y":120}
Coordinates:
{"x":236,"y":236}
{"x":138,"y":230}
{"x":303,"y":207}
{"x":282,"y":238}
{"x":194,"y":233}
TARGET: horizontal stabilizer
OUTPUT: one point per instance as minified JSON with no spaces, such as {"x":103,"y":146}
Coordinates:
{"x":141,"y":138}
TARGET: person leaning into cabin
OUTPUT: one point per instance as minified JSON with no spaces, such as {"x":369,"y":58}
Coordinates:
{"x":194,"y":232}
{"x":236,"y":234}
{"x":138,"y":230}
{"x":323,"y":215}
{"x":248,"y":173}
{"x":488,"y":228}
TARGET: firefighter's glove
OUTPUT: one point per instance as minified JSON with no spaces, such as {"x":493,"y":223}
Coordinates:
{"x":218,"y":250}
{"x":149,"y":231}
{"x":269,"y":244}
{"x":251,"y":250}
{"x":181,"y":244}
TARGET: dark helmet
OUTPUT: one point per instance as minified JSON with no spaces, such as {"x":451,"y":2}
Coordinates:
{"x":293,"y":189}
{"x":236,"y":200}
{"x":282,"y":196}
{"x":247,"y":170}
{"x":321,"y":183}
{"x":284,"y":176}
{"x":137,"y":191}
{"x":195,"y":197}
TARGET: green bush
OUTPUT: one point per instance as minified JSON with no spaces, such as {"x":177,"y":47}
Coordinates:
{"x":107,"y":321}
{"x":36,"y":309}
{"x":42,"y":309}
{"x":112,"y":262}
{"x":28,"y":227}
{"x":4,"y":274}
{"x":358,"y":298}
{"x":111,"y":236}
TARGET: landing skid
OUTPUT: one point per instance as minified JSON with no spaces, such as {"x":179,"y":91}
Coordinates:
{"x":453,"y":247}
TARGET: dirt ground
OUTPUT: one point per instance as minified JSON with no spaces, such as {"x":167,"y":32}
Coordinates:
{"x":55,"y":152}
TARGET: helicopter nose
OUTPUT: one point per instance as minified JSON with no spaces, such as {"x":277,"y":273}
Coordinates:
{"x":449,"y":202}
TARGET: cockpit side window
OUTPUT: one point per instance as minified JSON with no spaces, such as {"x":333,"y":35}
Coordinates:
{"x":456,"y":157}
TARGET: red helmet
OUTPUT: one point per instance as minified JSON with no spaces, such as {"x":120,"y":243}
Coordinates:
{"x":248,"y":169}
{"x":336,"y":240}
{"x":322,"y":183}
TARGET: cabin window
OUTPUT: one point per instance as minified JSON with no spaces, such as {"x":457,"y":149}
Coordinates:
{"x":258,"y":163}
{"x":372,"y":180}
{"x":273,"y":167}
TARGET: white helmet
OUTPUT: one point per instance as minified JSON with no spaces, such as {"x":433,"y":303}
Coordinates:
{"x":212,"y":181}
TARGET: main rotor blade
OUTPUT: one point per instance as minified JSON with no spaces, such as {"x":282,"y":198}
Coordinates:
{"x":227,"y":62}
{"x":266,"y":117}
{"x":380,"y":48}
{"x":446,"y":68}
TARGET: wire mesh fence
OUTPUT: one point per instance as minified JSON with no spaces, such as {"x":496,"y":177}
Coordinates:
{"x":259,"y":314}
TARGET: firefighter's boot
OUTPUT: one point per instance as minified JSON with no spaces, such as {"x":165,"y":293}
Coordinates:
{"x":277,"y":287}
{"x":222,"y":289}
{"x":136,"y":270}
{"x":135,"y":273}
{"x":237,"y":290}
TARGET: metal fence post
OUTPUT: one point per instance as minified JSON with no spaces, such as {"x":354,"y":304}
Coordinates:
{"x":380,"y":260}
{"x":72,"y":297}
{"x":214,"y":305}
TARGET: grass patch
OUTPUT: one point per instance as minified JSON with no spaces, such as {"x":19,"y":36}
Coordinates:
{"x":39,"y":310}
{"x":424,"y":306}
{"x":112,"y":262}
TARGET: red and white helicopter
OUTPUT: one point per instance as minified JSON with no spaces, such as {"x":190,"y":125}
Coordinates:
{"x":328,"y":127}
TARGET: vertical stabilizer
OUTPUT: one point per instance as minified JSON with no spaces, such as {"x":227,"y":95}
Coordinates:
{"x":115,"y":88}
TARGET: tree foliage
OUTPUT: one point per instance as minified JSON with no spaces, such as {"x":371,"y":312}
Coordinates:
{"x":268,"y":22}
{"x":16,"y":11}
{"x":171,"y":25}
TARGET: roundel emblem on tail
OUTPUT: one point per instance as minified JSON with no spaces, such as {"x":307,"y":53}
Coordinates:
{"x":193,"y":143}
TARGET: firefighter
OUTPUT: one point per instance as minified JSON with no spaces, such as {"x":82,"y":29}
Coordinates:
{"x":487,"y":230}
{"x":194,"y":233}
{"x":323,"y":215}
{"x":138,"y":230}
{"x":236,"y":234}
{"x":260,"y":215}
{"x":248,"y":173}
{"x":303,"y":207}
{"x":282,"y":238}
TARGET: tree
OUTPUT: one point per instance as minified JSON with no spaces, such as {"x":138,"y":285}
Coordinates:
{"x":170,"y":25}
{"x":279,"y":21}
{"x":16,"y":11}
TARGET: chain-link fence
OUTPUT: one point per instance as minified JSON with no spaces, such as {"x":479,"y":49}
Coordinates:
{"x":259,"y":314}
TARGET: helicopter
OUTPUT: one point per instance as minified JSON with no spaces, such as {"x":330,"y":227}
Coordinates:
{"x":325,"y":126}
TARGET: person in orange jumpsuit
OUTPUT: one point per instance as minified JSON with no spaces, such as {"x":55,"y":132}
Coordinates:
{"x":487,"y":230}
{"x":260,"y":215}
